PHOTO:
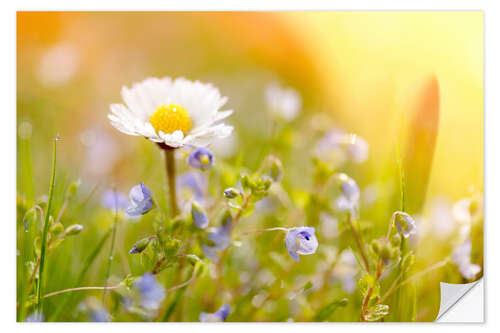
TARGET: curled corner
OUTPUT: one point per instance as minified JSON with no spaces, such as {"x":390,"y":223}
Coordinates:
{"x":451,"y":294}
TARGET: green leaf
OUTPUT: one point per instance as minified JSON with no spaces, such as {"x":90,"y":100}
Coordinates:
{"x":377,"y":312}
{"x":367,"y":282}
{"x":325,"y":312}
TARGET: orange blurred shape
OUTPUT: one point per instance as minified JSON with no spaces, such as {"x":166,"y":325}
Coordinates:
{"x":421,"y":144}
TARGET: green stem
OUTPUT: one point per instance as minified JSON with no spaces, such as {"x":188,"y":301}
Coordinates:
{"x":358,"y":242}
{"x":45,"y":229}
{"x":170,"y":167}
{"x":80,"y":288}
{"x":112,"y":248}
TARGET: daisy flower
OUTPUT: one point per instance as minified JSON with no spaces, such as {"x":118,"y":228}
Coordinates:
{"x":172,"y":113}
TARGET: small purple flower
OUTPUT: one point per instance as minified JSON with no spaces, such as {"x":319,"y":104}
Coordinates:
{"x":404,"y":223}
{"x":201,"y":158}
{"x":191,"y":185}
{"x":461,"y":258}
{"x":114,"y":200}
{"x":338,"y":145}
{"x":301,"y":240}
{"x":134,"y":250}
{"x":200,"y":217}
{"x":357,"y":148}
{"x":152,"y":293}
{"x":140,"y":200}
{"x":217,"y":316}
{"x":329,"y":143}
{"x":35,"y":317}
{"x":349,"y":194}
{"x":100,"y":315}
{"x":221,"y":237}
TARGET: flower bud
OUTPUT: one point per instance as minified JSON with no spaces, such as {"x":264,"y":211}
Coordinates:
{"x":140,"y":245}
{"x":231,"y":193}
{"x":56,"y":228}
{"x":404,"y":223}
{"x":73,"y":229}
{"x":396,"y":240}
{"x":386,"y":252}
{"x":200,"y":217}
{"x":73,"y":187}
{"x":246,"y":182}
{"x":30,"y":216}
{"x":376,"y":246}
{"x":276,"y":170}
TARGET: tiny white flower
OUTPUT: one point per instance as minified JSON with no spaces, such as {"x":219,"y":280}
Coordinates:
{"x":467,"y":210}
{"x":461,"y":258}
{"x":172,"y":112}
{"x":285,"y":103}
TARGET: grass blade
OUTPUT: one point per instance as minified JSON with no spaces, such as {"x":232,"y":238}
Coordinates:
{"x":45,"y":229}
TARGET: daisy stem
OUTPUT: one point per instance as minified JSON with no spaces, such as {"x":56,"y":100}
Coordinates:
{"x":46,"y":228}
{"x":170,"y":167}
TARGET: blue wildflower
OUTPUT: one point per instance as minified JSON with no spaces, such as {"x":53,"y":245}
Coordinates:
{"x":200,"y":217}
{"x":114,"y":200}
{"x":35,"y":317}
{"x":191,"y":186}
{"x":140,"y":245}
{"x":141,"y":201}
{"x":301,"y":240}
{"x":404,"y":223}
{"x":152,"y":293}
{"x":201,"y":158}
{"x":219,"y":315}
{"x":100,"y":315}
{"x":338,"y":145}
{"x":193,"y":181}
{"x":349,"y":194}
{"x":221,"y":238}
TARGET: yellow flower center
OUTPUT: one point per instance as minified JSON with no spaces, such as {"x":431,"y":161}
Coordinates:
{"x":205,"y":159}
{"x":170,"y":118}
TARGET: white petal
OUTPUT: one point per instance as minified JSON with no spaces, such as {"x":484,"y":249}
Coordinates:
{"x":173,"y":140}
{"x":205,"y":137}
{"x":146,"y":96}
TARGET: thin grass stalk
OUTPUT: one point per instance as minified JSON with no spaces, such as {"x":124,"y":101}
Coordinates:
{"x":46,"y":228}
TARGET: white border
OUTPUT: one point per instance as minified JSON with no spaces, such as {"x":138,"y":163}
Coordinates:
{"x":8,"y":167}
